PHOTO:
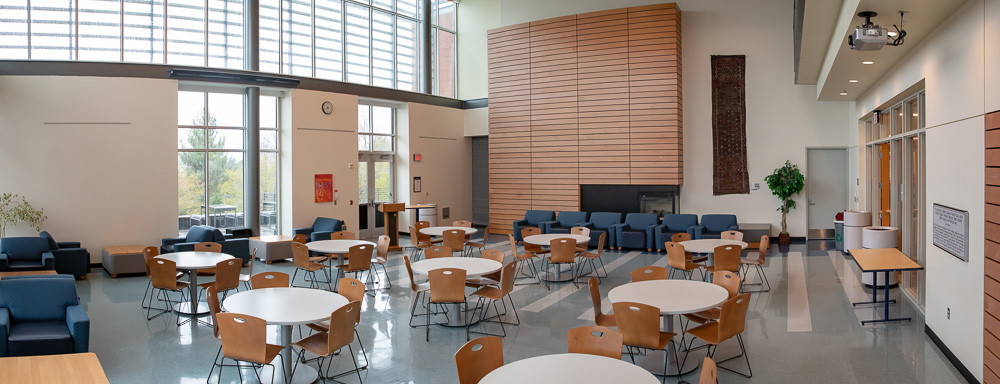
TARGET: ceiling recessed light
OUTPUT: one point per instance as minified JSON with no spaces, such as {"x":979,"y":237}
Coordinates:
{"x":867,"y":62}
{"x":852,"y":81}
{"x":844,"y":93}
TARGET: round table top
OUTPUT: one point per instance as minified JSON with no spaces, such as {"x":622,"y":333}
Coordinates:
{"x":708,"y":245}
{"x":473,"y":266}
{"x":672,"y":297}
{"x":545,"y":239}
{"x":195,"y":260}
{"x":335,"y":246}
{"x":569,"y":368}
{"x":439,"y":231}
{"x":285,"y":306}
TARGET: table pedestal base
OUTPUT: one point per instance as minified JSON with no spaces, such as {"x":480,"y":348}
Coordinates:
{"x":456,"y":316}
{"x":558,"y":273}
{"x":304,"y":374}
{"x":185,"y":309}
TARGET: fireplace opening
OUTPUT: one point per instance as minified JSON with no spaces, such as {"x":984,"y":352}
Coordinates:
{"x":658,"y":199}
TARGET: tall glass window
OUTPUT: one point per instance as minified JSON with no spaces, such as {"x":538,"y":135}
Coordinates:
{"x":444,"y":21}
{"x":269,"y":177}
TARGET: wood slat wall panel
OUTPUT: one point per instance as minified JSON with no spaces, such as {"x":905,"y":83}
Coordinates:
{"x":991,"y":326}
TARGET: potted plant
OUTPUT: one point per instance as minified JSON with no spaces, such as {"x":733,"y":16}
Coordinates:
{"x":15,"y":209}
{"x":785,"y":182}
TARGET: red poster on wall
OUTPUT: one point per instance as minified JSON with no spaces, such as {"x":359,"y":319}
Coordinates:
{"x":324,"y":188}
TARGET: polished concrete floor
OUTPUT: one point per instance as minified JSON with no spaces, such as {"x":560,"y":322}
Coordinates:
{"x":803,"y":331}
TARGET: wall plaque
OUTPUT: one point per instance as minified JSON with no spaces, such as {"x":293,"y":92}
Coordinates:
{"x":951,"y":231}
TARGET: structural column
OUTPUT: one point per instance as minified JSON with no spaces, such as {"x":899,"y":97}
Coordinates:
{"x":426,"y":35}
{"x":251,"y":59}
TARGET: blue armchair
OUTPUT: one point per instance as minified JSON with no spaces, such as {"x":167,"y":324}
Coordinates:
{"x":321,"y":229}
{"x":25,"y":254}
{"x":564,"y":221}
{"x":637,"y":231}
{"x":531,"y":219}
{"x":712,"y":226}
{"x":41,"y":315}
{"x":601,"y":222}
{"x":672,"y":224}
{"x":71,"y":259}
{"x":205,"y":234}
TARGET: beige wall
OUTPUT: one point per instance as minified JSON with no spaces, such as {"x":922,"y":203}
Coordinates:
{"x":100,"y":184}
{"x":475,"y":17}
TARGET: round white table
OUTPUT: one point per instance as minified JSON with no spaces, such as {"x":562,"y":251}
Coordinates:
{"x":555,"y":272}
{"x":335,"y":247}
{"x":190,"y":263}
{"x":569,"y":368}
{"x":672,"y":297}
{"x":708,"y":246}
{"x":286,"y":307}
{"x":439,"y":231}
{"x":473,"y":267}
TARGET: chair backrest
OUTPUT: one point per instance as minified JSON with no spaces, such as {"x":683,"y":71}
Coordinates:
{"x":409,"y":271}
{"x":227,"y":274}
{"x":300,"y":255}
{"x":253,"y":256}
{"x":24,"y":248}
{"x":604,"y":220}
{"x":716,"y":223}
{"x":148,"y":254}
{"x":359,"y":257}
{"x":679,"y":222}
{"x":414,"y":236}
{"x":269,"y":280}
{"x":679,"y":237}
{"x":728,"y":280}
{"x":437,"y":251}
{"x":727,"y":257}
{"x":513,"y":244}
{"x":732,"y":235}
{"x":709,"y":372}
{"x":447,"y":285}
{"x":454,"y":239}
{"x":650,"y":273}
{"x":208,"y":247}
{"x":595,"y":340}
{"x":461,"y":223}
{"x":595,"y":298}
{"x":563,"y":250}
{"x":37,"y":298}
{"x":420,"y":236}
{"x":534,"y":217}
{"x":343,"y":235}
{"x":531,"y":231}
{"x":639,"y":323}
{"x":342,"y":323}
{"x":571,"y":218}
{"x":639,"y":221}
{"x":164,"y":274}
{"x":212,"y":297}
{"x":733,"y":317}
{"x":600,"y":243}
{"x":326,"y":224}
{"x":382,"y":247}
{"x":244,"y":337}
{"x":203,"y":233}
{"x":675,"y":255}
{"x":582,"y":231}
{"x":477,"y":358}
{"x":493,"y":254}
{"x":351,"y":288}
{"x":765,"y":243}
{"x":300,"y":238}
{"x":53,"y":244}
{"x":486,"y":234}
{"x":507,"y":274}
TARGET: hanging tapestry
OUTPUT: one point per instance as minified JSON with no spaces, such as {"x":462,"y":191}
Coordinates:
{"x":729,"y":134}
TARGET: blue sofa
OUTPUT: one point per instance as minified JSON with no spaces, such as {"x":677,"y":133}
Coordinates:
{"x":673,"y":224}
{"x":41,"y":315}
{"x":636,"y":232}
{"x":25,"y":254}
{"x":321,"y":229}
{"x":712,"y":226}
{"x":71,"y":259}
{"x":601,"y":222}
{"x":532,"y":219}
{"x":205,"y":234}
{"x":565,"y":221}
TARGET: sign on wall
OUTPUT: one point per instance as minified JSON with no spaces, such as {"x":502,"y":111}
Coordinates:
{"x":324,"y":188}
{"x":951,"y":231}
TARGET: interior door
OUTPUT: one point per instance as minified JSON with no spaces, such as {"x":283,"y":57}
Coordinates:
{"x":885,"y":184}
{"x":375,"y":186}
{"x":826,"y":188}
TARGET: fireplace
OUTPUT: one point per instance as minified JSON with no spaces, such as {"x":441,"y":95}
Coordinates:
{"x":658,"y":199}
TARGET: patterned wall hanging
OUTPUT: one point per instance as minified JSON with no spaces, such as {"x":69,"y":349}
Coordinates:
{"x":729,"y":134}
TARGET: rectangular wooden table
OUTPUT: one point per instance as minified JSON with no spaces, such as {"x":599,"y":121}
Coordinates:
{"x":26,"y":273}
{"x":76,"y":368}
{"x":882,"y":260}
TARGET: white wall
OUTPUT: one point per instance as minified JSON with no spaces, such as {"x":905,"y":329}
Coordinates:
{"x":100,"y":184}
{"x":475,"y":17}
{"x":477,"y":122}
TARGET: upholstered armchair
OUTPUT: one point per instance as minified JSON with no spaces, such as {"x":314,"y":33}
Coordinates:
{"x":41,"y":315}
{"x":205,"y":234}
{"x":712,"y":226}
{"x":71,"y":259}
{"x":601,"y":222}
{"x":321,"y":229}
{"x":532,"y":219}
{"x":636,"y":232}
{"x":563,"y":222}
{"x":672,"y":224}
{"x":25,"y":254}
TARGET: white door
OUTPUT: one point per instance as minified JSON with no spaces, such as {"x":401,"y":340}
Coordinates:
{"x":826,"y":189}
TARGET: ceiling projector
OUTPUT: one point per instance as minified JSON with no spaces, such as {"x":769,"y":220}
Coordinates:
{"x":870,"y":37}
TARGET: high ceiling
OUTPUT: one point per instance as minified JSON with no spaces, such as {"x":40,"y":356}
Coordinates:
{"x":825,"y":58}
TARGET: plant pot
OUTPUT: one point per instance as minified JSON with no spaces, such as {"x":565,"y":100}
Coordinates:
{"x":784,"y":238}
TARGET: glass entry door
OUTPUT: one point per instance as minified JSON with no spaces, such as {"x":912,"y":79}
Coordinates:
{"x":375,"y":186}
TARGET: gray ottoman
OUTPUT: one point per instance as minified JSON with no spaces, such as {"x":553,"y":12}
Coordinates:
{"x":123,"y":259}
{"x":271,"y":248}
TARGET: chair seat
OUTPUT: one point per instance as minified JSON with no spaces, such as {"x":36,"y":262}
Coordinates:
{"x":633,"y":239}
{"x":492,"y":293}
{"x":314,"y":267}
{"x":751,"y":262}
{"x":244,"y":277}
{"x":607,"y":320}
{"x":423,"y":287}
{"x":318,"y":259}
{"x":541,"y":252}
{"x":323,"y":326}
{"x":270,"y":352}
{"x":378,"y":260}
{"x":709,"y":332}
{"x":316,"y":344}
{"x":476,"y":245}
{"x":347,"y":268}
{"x":662,"y":342}
{"x":525,"y":256}
{"x":24,"y":265}
{"x":693,"y":259}
{"x":589,"y":255}
{"x":704,"y":316}
{"x":39,"y":338}
{"x":482,"y":281}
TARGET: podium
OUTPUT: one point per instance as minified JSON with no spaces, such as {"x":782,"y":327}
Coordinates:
{"x":391,"y":216}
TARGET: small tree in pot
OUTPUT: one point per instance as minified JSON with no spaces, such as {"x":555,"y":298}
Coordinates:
{"x":15,"y":209}
{"x":785,"y":182}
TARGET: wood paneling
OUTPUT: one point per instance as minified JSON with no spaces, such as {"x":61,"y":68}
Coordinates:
{"x":991,"y":314}
{"x":593,"y":98}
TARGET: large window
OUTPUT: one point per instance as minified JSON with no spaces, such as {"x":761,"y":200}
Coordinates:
{"x":445,"y":17}
{"x":376,"y":129}
{"x":269,"y":179}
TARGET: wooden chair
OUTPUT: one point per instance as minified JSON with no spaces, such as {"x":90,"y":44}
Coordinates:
{"x":732,"y":322}
{"x":212,"y":297}
{"x":595,"y":340}
{"x":524,"y":259}
{"x":340,"y":335}
{"x":359,"y":260}
{"x":269,"y":280}
{"x":732,"y":235}
{"x":381,"y":258}
{"x":582,"y":231}
{"x":418,"y":246}
{"x":726,"y":258}
{"x":437,"y":251}
{"x":454,"y":239}
{"x":163,"y":274}
{"x":650,"y":273}
{"x":353,"y":290}
{"x":300,"y":257}
{"x":601,"y":319}
{"x":300,"y":238}
{"x":495,"y":294}
{"x":148,"y":254}
{"x":709,"y":372}
{"x":245,"y":277}
{"x":417,"y":289}
{"x":678,"y":261}
{"x":562,"y":251}
{"x":533,"y":248}
{"x":422,"y":237}
{"x":486,"y":240}
{"x":758,"y":264}
{"x":447,"y":287}
{"x":684,"y":236}
{"x":207,"y":247}
{"x":463,"y":224}
{"x":227,"y":277}
{"x":725,"y":279}
{"x":244,"y":339}
{"x":343,"y":235}
{"x":477,"y":358}
{"x":640,"y":326}
{"x":489,"y":278}
{"x":588,"y":257}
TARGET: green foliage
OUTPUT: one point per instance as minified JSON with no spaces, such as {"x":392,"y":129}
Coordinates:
{"x":786,"y":182}
{"x":15,"y":209}
{"x":225,"y":181}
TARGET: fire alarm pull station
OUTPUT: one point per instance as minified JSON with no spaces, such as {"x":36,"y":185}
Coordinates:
{"x":336,"y":196}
